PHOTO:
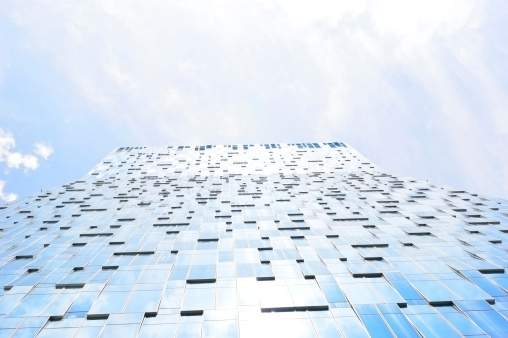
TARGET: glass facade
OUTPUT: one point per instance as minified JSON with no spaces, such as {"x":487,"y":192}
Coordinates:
{"x":266,"y":240}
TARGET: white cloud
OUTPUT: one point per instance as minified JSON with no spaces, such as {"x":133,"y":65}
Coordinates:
{"x":43,"y":150}
{"x":401,"y":77}
{"x":6,"y":197}
{"x":16,"y":160}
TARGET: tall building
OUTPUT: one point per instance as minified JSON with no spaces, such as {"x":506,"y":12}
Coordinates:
{"x":285,"y":240}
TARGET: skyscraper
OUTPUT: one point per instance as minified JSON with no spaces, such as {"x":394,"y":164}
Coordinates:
{"x":309,"y":240}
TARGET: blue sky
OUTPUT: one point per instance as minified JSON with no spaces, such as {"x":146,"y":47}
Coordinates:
{"x":419,"y":87}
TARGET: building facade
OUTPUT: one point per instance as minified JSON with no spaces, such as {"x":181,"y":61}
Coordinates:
{"x":271,"y":240}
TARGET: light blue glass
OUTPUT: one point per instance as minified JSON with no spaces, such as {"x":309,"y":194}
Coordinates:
{"x":307,"y":239}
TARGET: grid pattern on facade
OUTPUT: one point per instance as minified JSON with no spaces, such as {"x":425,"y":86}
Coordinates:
{"x":307,"y":239}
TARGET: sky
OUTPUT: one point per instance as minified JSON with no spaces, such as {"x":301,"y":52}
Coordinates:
{"x":418,"y":87}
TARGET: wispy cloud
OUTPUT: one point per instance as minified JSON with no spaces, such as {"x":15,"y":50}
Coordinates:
{"x":413,"y":84}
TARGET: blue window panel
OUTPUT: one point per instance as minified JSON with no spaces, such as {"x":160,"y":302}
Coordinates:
{"x":432,"y":266}
{"x":433,"y":325}
{"x":8,"y":332}
{"x":434,"y":292}
{"x":466,"y":290}
{"x":400,"y":325}
{"x":483,"y":266}
{"x":263,"y":271}
{"x":154,"y":276}
{"x":473,"y":305}
{"x":352,"y":327}
{"x":34,"y":322}
{"x":178,"y":274}
{"x":366,"y":309}
{"x":31,"y":305}
{"x":376,"y":326}
{"x":292,"y":254}
{"x":463,"y":324}
{"x":144,"y":301}
{"x":10,"y":323}
{"x":125,"y":277}
{"x":406,"y":290}
{"x":332,"y":292}
{"x":109,"y":302}
{"x":78,"y":314}
{"x":6,"y":279}
{"x":502,"y":299}
{"x":419,"y":309}
{"x":202,"y":272}
{"x":26,"y":332}
{"x":60,"y":304}
{"x":362,"y":269}
{"x":172,"y":298}
{"x":28,"y":279}
{"x":409,"y":268}
{"x":502,"y":282}
{"x":489,"y":287}
{"x":58,"y":332}
{"x":500,"y":306}
{"x":490,"y":321}
{"x":389,"y":309}
{"x":416,"y":302}
{"x":244,"y":270}
{"x":226,"y":256}
{"x":388,"y":293}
